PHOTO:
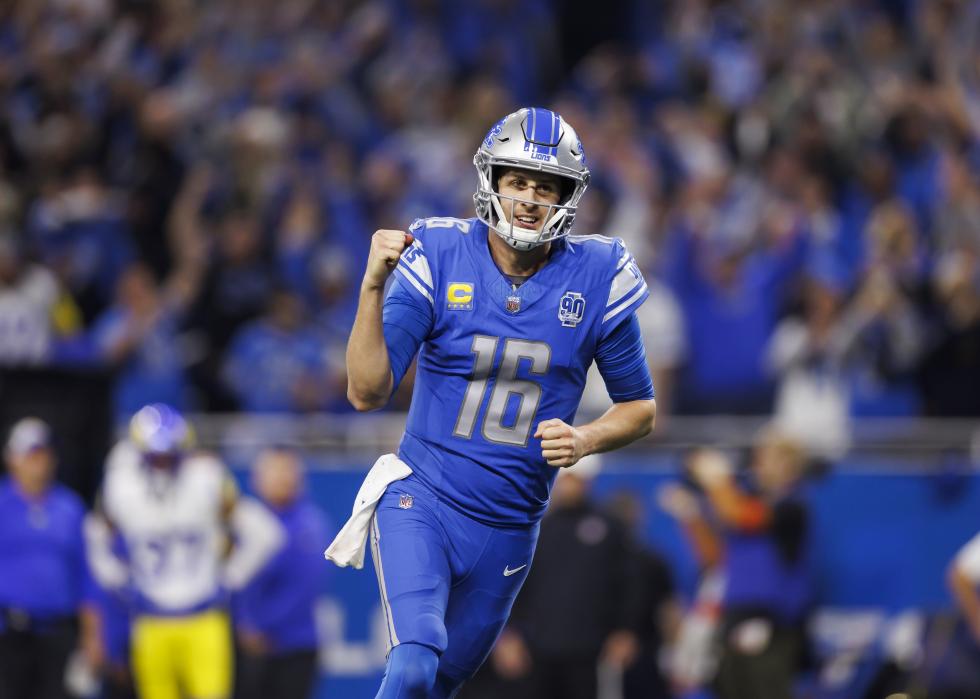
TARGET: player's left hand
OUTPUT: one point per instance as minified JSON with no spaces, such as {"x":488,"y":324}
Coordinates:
{"x":561,"y":444}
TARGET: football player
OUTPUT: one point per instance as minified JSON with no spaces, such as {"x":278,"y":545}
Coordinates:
{"x":176,"y":510}
{"x":509,"y":311}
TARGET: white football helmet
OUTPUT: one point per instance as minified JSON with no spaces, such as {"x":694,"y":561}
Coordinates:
{"x":531,"y":139}
{"x":158,"y":430}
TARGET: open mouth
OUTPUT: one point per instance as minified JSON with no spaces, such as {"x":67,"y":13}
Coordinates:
{"x":527,"y":221}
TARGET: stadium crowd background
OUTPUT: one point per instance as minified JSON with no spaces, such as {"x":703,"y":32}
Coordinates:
{"x":195,"y":184}
{"x":188,"y":189}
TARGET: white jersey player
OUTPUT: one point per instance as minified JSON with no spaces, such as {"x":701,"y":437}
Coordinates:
{"x":173,"y":510}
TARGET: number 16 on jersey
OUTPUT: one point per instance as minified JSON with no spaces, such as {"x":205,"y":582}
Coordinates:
{"x":507,"y":384}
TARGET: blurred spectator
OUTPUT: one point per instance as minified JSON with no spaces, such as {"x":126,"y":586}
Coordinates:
{"x":684,"y":502}
{"x":319,"y":271}
{"x":768,"y":566}
{"x":333,"y":321}
{"x":882,"y":329}
{"x":138,"y":335}
{"x":171,"y":506}
{"x":852,"y":355}
{"x":77,"y":229}
{"x":730,"y":289}
{"x":574,"y":611}
{"x":297,"y":240}
{"x":957,"y":219}
{"x":234,"y":291}
{"x":490,"y":35}
{"x":808,"y":353}
{"x":33,"y":310}
{"x":257,"y":150}
{"x":950,"y":371}
{"x":240,"y":277}
{"x":45,"y":592}
{"x":275,"y":625}
{"x":277,"y":362}
{"x":153,"y":169}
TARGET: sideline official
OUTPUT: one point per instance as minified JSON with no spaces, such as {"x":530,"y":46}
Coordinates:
{"x":44,"y":581}
{"x":274,"y":614}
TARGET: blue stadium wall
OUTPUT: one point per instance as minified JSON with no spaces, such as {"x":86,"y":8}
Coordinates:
{"x":884,"y":538}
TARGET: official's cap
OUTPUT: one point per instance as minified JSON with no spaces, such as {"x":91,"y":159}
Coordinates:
{"x":27,"y":435}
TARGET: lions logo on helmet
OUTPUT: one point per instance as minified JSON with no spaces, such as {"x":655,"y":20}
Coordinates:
{"x":159,"y":430}
{"x":531,"y":139}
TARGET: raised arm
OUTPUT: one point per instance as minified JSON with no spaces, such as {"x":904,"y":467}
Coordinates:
{"x":188,"y":240}
{"x":369,"y":376}
{"x":733,"y":507}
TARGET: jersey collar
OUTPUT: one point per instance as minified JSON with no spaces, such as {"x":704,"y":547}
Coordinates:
{"x":500,"y":287}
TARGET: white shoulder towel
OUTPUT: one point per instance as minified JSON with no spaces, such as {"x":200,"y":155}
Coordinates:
{"x":349,"y":544}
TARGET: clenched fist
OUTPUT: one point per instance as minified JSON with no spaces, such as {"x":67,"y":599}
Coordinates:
{"x":561,"y":444}
{"x":386,"y":247}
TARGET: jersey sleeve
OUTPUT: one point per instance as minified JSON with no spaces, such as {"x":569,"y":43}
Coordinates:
{"x":622,"y":363}
{"x":627,"y":291}
{"x":407,"y":319}
{"x":413,"y":267}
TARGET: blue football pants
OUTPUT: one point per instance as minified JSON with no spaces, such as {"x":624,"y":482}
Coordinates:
{"x":447,"y":585}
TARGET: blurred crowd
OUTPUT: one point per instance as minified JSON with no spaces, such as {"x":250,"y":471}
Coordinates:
{"x":187,"y":189}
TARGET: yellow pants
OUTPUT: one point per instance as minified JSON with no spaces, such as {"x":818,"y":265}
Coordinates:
{"x":187,"y":657}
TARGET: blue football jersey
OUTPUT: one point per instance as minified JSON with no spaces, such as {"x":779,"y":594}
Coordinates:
{"x":499,"y":360}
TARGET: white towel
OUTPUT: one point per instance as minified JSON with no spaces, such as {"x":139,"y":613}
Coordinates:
{"x":349,"y":544}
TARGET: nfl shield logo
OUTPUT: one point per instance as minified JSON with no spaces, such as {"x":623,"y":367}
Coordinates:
{"x":513,"y":304}
{"x":405,"y":501}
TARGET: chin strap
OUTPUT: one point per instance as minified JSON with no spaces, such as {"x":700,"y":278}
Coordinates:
{"x":516,"y":243}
